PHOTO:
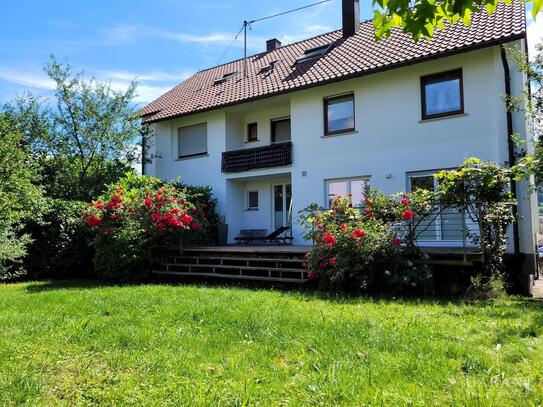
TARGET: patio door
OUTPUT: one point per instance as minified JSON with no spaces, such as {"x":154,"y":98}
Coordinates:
{"x":282,"y":205}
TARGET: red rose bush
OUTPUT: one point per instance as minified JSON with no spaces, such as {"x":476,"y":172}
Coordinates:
{"x":353,"y":247}
{"x":134,"y":217}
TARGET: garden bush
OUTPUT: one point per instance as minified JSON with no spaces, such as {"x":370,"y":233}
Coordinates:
{"x":60,"y":245}
{"x":205,"y":209}
{"x":21,"y":198}
{"x":357,"y":250}
{"x":133,"y":218}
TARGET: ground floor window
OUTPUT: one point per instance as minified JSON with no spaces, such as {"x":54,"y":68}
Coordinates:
{"x":252,"y":200}
{"x":345,"y":186}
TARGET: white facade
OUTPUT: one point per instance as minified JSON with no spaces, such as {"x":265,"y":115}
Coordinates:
{"x":390,"y":140}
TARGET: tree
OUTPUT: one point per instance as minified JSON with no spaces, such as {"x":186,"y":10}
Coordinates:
{"x":95,"y":130}
{"x":91,"y":139}
{"x":482,"y":190}
{"x":85,"y":139}
{"x":422,"y":17}
{"x":20,"y":197}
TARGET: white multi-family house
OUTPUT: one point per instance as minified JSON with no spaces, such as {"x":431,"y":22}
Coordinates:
{"x":305,"y":122}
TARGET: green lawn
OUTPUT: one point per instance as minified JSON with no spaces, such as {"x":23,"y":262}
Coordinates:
{"x":79,"y":343}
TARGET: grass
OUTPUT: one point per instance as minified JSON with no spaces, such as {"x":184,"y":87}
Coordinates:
{"x":81,"y":343}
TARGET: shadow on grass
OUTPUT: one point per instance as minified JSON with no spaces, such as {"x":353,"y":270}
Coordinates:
{"x":34,"y":287}
{"x":301,"y":292}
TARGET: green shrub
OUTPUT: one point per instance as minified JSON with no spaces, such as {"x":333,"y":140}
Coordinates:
{"x":61,"y":243}
{"x":20,"y":198}
{"x":205,"y":210}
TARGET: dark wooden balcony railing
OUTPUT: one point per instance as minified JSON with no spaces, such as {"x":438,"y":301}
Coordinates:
{"x":274,"y":155}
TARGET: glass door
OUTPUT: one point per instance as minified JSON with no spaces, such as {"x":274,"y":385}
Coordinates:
{"x":282,"y":205}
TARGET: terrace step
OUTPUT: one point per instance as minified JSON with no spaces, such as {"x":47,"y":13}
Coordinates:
{"x":274,"y":264}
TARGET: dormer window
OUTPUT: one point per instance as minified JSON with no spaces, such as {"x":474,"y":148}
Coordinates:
{"x":268,"y":68}
{"x":224,"y":78}
{"x":314,"y":53}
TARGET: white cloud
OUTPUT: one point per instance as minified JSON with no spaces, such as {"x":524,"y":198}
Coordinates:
{"x":127,"y":33}
{"x":144,"y":93}
{"x":121,"y":34}
{"x":306,"y":32}
{"x":31,"y":80}
{"x":213,"y":38}
{"x":535,"y":34}
{"x":119,"y":81}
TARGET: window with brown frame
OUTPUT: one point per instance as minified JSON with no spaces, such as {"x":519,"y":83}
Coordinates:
{"x":339,"y":114}
{"x":442,"y":94}
{"x":252,"y":132}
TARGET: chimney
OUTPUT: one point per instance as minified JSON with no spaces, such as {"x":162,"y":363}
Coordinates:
{"x":272,"y":44}
{"x":350,"y":11}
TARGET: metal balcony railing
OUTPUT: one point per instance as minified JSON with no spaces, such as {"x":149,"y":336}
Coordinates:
{"x":274,"y":155}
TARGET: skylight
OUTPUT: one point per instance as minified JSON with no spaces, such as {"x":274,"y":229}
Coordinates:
{"x":269,"y":67}
{"x":314,"y":53}
{"x":224,"y":78}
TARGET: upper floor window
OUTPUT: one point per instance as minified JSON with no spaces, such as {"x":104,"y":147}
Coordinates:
{"x":192,"y":140}
{"x":280,"y":130}
{"x":339,"y":114}
{"x":252,"y":132}
{"x":356,"y":187}
{"x":442,"y":94}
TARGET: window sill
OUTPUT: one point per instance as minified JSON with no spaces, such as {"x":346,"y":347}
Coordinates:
{"x":252,"y":141}
{"x":452,"y":116}
{"x":251,"y":209}
{"x":347,"y":133}
{"x":191,"y":157}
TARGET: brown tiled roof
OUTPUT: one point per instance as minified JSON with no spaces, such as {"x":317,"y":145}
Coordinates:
{"x":355,"y":56}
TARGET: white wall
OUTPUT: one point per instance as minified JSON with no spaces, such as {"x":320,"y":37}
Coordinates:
{"x":237,"y":126}
{"x":204,"y":170}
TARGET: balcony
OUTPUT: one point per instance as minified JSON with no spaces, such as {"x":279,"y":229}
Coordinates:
{"x":274,"y":155}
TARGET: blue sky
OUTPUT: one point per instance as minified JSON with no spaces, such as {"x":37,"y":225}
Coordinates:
{"x":160,"y":42}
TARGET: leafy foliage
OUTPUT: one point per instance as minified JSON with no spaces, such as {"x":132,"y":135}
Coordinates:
{"x":60,"y":242}
{"x":353,"y":247}
{"x":93,"y":126}
{"x":530,"y":101}
{"x":20,"y":197}
{"x":205,"y":207}
{"x":482,"y":190}
{"x":422,"y":17}
{"x":89,"y":140}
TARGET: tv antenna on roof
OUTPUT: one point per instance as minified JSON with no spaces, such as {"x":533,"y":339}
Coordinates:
{"x":247,"y":25}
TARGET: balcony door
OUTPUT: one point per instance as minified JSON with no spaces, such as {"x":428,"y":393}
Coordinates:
{"x":282,"y":205}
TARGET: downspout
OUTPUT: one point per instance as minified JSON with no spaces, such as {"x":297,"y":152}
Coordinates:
{"x":511,"y":148}
{"x":143,"y":156}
